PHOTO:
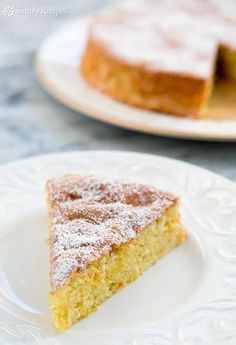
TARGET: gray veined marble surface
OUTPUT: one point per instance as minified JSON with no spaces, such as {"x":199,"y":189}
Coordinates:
{"x":32,"y":123}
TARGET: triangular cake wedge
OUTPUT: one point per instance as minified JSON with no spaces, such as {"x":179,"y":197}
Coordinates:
{"x":103,"y":235}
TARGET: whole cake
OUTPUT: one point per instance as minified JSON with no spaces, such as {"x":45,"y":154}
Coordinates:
{"x":103,"y":235}
{"x":162,"y":54}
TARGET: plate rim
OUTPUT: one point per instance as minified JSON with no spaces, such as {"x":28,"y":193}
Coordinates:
{"x":113,"y":151}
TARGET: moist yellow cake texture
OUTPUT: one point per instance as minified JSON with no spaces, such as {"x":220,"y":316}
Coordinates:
{"x":162,"y":54}
{"x":103,"y":235}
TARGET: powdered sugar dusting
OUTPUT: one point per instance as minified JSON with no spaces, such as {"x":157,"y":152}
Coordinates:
{"x":178,"y":36}
{"x":89,"y":215}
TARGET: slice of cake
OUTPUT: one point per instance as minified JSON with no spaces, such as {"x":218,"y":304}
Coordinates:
{"x":162,"y":54}
{"x":103,"y":235}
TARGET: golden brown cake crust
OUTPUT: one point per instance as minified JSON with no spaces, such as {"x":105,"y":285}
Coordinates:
{"x":172,"y":93}
{"x":88,"y":215}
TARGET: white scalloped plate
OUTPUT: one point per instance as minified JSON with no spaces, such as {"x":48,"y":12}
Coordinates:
{"x":188,"y":298}
{"x":58,"y":70}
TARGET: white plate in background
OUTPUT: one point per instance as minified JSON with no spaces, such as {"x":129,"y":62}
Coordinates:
{"x":57,"y":67}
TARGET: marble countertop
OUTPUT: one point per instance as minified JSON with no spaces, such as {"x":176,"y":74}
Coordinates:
{"x":33,"y":123}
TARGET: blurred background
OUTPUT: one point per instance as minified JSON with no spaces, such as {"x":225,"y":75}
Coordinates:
{"x":33,"y":123}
